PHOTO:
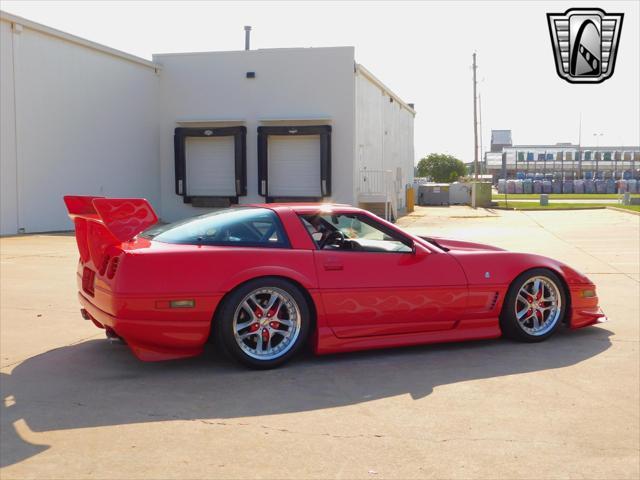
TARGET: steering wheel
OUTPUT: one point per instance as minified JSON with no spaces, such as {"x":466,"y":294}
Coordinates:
{"x":336,"y":237}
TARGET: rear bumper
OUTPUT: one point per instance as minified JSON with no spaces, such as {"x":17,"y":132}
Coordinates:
{"x":152,"y":340}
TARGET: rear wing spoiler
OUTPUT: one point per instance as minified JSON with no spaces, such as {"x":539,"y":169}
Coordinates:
{"x":102,"y":222}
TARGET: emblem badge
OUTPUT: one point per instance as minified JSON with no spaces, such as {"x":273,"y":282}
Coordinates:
{"x":585,"y":43}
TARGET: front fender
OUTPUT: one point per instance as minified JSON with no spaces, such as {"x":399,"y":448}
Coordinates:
{"x":502,"y":268}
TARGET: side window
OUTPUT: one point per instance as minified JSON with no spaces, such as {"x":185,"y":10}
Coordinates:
{"x":253,"y":227}
{"x":352,"y":232}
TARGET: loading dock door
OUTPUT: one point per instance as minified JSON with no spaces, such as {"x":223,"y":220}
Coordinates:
{"x":294,"y":166}
{"x":210,"y":166}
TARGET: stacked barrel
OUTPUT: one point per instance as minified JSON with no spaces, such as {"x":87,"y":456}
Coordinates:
{"x":529,"y":185}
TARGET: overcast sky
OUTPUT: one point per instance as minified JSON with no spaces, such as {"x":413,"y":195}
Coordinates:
{"x":421,"y":50}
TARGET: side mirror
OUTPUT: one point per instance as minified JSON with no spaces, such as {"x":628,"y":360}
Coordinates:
{"x":418,"y":250}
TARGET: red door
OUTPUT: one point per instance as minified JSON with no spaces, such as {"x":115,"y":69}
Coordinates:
{"x":382,"y":293}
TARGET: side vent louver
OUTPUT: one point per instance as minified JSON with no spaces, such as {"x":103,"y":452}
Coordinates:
{"x":494,"y":301}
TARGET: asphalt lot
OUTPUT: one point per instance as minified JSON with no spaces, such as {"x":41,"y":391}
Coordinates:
{"x":76,"y":406}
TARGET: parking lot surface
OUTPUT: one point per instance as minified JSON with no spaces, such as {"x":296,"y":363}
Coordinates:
{"x":77,"y":406}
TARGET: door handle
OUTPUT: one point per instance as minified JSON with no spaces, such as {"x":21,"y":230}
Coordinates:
{"x":333,"y":266}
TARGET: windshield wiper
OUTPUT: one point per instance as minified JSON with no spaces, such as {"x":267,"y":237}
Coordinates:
{"x":434,"y":242}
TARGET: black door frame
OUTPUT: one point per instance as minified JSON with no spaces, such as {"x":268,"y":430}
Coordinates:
{"x":239,"y":134}
{"x":324,"y":131}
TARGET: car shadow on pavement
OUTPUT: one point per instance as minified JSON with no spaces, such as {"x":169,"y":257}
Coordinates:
{"x":97,"y":383}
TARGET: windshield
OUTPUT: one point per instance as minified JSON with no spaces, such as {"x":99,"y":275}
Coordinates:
{"x":241,"y":226}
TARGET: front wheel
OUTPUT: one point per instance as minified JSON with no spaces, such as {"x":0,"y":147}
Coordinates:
{"x":534,"y":306}
{"x":264,"y":322}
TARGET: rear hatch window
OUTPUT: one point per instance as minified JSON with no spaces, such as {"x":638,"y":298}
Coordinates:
{"x":242,"y":226}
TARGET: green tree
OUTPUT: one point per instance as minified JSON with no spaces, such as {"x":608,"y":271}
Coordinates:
{"x":440,"y":167}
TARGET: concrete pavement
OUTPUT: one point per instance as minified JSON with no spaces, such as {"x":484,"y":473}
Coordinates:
{"x":76,"y":406}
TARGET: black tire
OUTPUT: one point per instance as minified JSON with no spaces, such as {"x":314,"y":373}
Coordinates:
{"x":509,"y":323}
{"x":226,"y":329}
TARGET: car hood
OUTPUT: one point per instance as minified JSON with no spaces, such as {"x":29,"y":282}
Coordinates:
{"x":458,"y":245}
{"x":489,"y":265}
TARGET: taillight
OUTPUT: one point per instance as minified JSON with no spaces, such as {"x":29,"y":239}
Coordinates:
{"x":113,"y":267}
{"x":88,"y":281}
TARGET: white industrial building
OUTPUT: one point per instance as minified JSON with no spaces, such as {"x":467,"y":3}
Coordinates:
{"x":564,"y":160}
{"x":191,"y":131}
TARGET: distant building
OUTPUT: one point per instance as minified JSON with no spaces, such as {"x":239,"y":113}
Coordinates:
{"x":500,"y":139}
{"x":561,"y":160}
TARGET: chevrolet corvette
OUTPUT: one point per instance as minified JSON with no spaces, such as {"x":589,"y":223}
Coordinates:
{"x":264,"y":280}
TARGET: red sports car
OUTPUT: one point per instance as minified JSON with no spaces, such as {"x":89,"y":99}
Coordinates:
{"x":265,"y":280}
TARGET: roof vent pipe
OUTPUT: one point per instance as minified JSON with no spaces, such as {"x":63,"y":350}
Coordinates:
{"x":247,"y":37}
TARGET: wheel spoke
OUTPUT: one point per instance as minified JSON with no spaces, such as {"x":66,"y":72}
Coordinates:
{"x":272,"y":301}
{"x":258,"y":307}
{"x":243,"y":325}
{"x":286,"y":321}
{"x":522,"y":312}
{"x":526,"y":319}
{"x":246,"y":335}
{"x":249,"y":309}
{"x":536,"y":322}
{"x":537,"y":288}
{"x":278,"y":310}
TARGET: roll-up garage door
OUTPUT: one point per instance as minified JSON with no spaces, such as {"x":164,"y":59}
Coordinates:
{"x":210,"y":166}
{"x":294,"y":166}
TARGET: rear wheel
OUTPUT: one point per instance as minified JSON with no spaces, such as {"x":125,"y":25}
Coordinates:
{"x":534,"y":307}
{"x":264,"y":322}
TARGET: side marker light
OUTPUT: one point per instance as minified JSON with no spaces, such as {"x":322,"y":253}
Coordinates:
{"x":182,"y":303}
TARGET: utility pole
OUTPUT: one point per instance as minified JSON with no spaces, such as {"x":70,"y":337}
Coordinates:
{"x":480,"y":121}
{"x":475,"y":118}
{"x":474,"y":186}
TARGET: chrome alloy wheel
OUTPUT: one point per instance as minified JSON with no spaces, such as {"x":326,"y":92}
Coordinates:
{"x":538,"y":305}
{"x":266,"y":323}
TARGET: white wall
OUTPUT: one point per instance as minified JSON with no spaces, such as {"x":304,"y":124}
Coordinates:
{"x":8,"y":180}
{"x":85,"y":123}
{"x":384,"y":132}
{"x":309,"y":83}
